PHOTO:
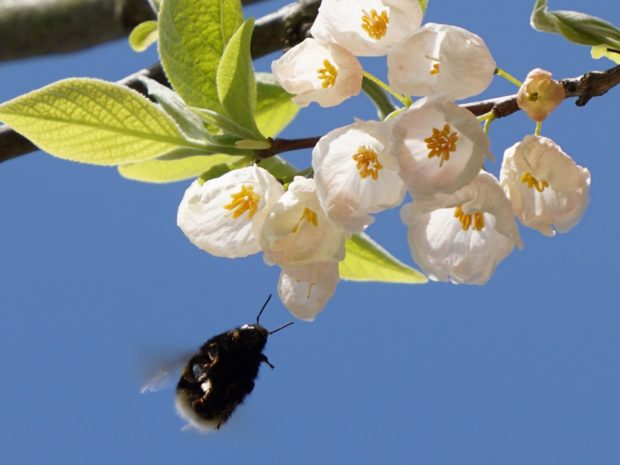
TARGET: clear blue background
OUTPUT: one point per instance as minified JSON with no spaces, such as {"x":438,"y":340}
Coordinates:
{"x":97,"y":285}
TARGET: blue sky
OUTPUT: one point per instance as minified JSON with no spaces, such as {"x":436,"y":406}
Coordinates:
{"x":98,"y":286}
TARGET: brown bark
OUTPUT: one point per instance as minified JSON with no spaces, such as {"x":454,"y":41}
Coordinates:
{"x":56,"y":26}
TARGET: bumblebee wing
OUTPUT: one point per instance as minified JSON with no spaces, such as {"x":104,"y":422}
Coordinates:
{"x":166,"y":375}
{"x":163,"y":379}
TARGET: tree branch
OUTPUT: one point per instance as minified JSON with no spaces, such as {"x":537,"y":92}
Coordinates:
{"x":584,"y":87}
{"x":42,"y":27}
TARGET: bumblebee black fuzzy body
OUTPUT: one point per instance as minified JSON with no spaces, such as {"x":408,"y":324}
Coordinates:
{"x":219,"y":377}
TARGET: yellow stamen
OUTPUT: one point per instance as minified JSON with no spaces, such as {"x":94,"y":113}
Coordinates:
{"x":328,"y":74}
{"x":435,"y":67}
{"x":367,"y":163}
{"x":375,"y":24}
{"x":532,"y":182}
{"x":244,"y":200}
{"x":441,"y":143}
{"x":468,"y":220}
{"x":309,"y":216}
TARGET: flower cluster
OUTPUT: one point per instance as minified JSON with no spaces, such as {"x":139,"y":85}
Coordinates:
{"x":246,"y":211}
{"x":461,"y":222}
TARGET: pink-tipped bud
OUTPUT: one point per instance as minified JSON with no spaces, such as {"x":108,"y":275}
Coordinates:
{"x":539,"y":94}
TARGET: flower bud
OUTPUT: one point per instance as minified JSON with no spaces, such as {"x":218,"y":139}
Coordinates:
{"x":539,"y":94}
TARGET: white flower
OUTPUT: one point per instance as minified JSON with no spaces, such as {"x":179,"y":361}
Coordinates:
{"x":224,"y":215}
{"x":366,"y":27}
{"x":297,"y":230}
{"x":440,"y":146}
{"x":547,"y":189}
{"x":441,"y":60}
{"x":318,"y":72}
{"x":355,"y":174}
{"x":462,"y":236}
{"x":305,"y":289}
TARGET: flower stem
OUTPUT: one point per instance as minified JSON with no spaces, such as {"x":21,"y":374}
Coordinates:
{"x":379,"y":98}
{"x":538,"y":129}
{"x":509,"y":77}
{"x":402,"y":99}
{"x":487,"y":118}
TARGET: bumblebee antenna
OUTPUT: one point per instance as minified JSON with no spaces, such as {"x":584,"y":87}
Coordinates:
{"x":281,"y":327}
{"x":262,"y":308}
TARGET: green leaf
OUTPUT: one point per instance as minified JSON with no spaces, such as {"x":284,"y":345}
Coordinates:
{"x":171,"y":170}
{"x":368,"y":261}
{"x":279,"y":167}
{"x":236,"y":85}
{"x":174,"y":106}
{"x":192,"y":38}
{"x":218,"y":121}
{"x":274,"y":107}
{"x":216,"y":171}
{"x":577,"y":27}
{"x":601,"y":51}
{"x":143,"y":36}
{"x":423,"y":5}
{"x":92,"y":121}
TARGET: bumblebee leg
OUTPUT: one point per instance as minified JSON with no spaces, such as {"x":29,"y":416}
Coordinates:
{"x":201,"y":400}
{"x":263,"y":358}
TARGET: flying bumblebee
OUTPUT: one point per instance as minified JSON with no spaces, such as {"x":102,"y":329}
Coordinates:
{"x":221,"y":374}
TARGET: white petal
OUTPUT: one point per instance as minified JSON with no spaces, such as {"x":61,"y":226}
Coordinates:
{"x":560,"y":205}
{"x":463,"y":61}
{"x":305,"y":289}
{"x":340,"y":21}
{"x":427,"y":176}
{"x":447,"y":252}
{"x":298,"y":72}
{"x":348,"y":193}
{"x":206,"y":218}
{"x":297,"y":231}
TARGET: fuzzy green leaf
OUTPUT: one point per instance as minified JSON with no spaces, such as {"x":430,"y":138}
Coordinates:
{"x":92,"y":121}
{"x":171,"y":170}
{"x":227,"y":125}
{"x":368,"y":261}
{"x":279,"y":167}
{"x":274,"y":107}
{"x":143,"y":36}
{"x":174,"y":106}
{"x":192,"y":37}
{"x":236,"y":85}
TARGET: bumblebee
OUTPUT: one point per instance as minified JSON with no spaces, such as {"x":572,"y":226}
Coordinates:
{"x":221,"y":374}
